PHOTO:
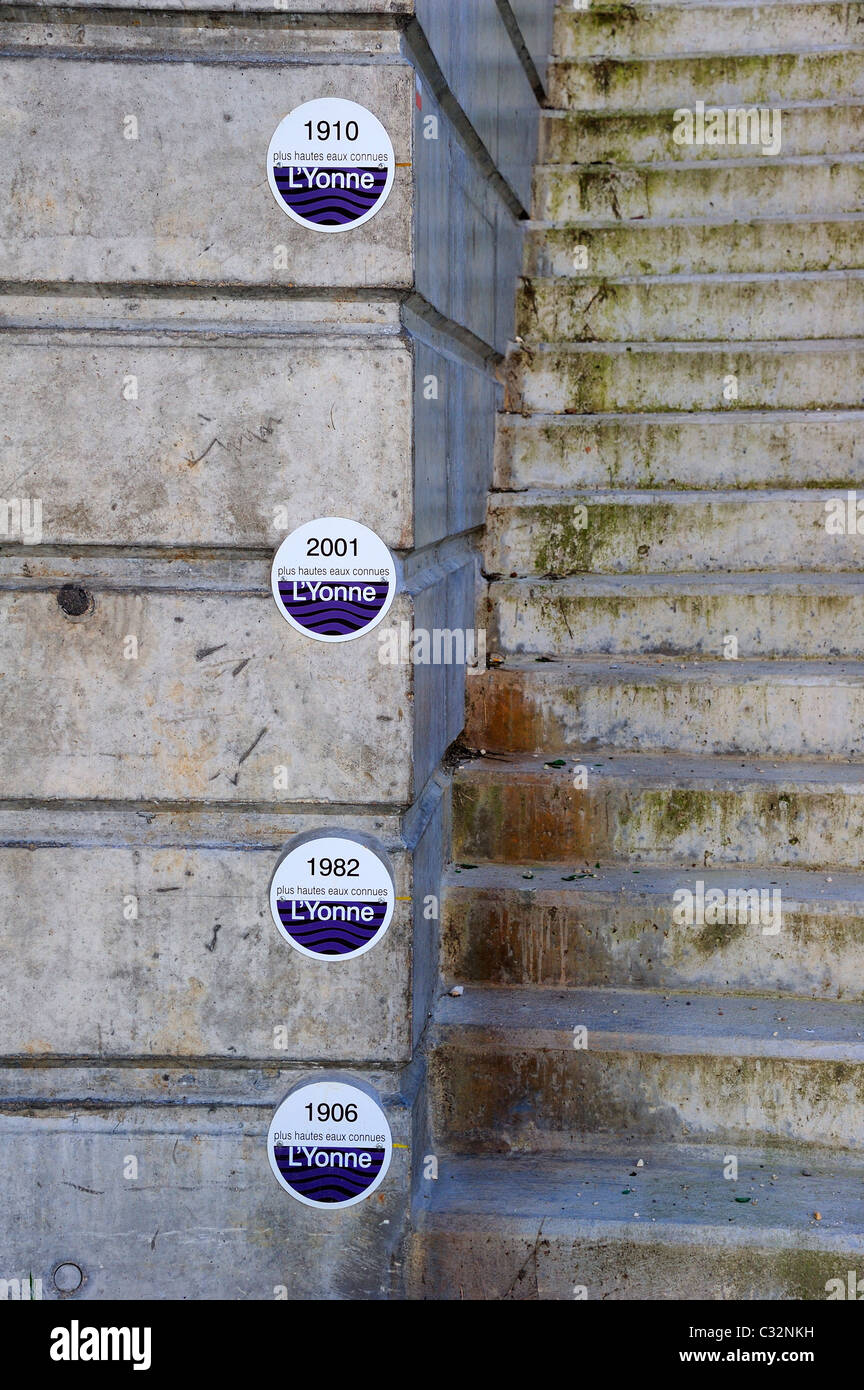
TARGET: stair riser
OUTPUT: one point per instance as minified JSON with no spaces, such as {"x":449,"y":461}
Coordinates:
{"x":497,"y":1263}
{"x":614,"y":940}
{"x":668,"y":535}
{"x":649,"y":31}
{"x":660,"y":84}
{"x":760,"y":190}
{"x":731,"y":248}
{"x":648,"y":139}
{"x":715,"y":453}
{"x":586,"y":382}
{"x":728,"y":312}
{"x":542,"y":818}
{"x":497,"y":1098}
{"x":534,"y":711}
{"x":777,"y":625}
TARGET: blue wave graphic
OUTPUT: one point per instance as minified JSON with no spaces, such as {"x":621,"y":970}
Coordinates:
{"x":330,"y":1182}
{"x":335,"y":616}
{"x":329,"y":938}
{"x":331,"y":206}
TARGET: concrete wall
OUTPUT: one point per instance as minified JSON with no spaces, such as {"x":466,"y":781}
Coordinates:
{"x":280,"y":374}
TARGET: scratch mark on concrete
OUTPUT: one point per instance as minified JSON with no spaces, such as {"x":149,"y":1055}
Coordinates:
{"x":241,"y":760}
{"x":211,"y":944}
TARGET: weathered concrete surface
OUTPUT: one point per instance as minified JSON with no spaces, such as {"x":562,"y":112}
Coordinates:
{"x":823,"y":187}
{"x":467,"y":238}
{"x":506,"y":1076}
{"x":648,"y":532}
{"x":153,"y":209}
{"x":234,"y":405}
{"x":444,"y":230}
{"x":222,"y":693}
{"x":571,"y":838}
{"x":205,"y":35}
{"x":772,"y":615}
{"x":256,"y":7}
{"x":198,"y":881}
{"x":647,"y":138}
{"x":687,"y":810}
{"x":767,"y":709}
{"x":535,"y":23}
{"x":186,"y":375}
{"x":651,"y":83}
{"x":597,"y":377}
{"x":763,"y":449}
{"x":224,"y":702}
{"x":547,"y":1227}
{"x":445,"y":602}
{"x":205,"y":1218}
{"x":200,"y":972}
{"x":614,"y":927}
{"x":693,"y":309}
{"x":483,"y":71}
{"x":454,"y":399}
{"x":681,"y":248}
{"x":662,"y":30}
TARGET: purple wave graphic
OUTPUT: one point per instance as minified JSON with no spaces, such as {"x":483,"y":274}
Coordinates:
{"x":331,"y":617}
{"x":331,"y":206}
{"x":332,"y":1182}
{"x":329,"y":938}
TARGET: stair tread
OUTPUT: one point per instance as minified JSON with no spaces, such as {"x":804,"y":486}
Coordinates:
{"x":768,"y":345}
{"x":709,"y":278}
{"x":751,"y":582}
{"x":676,"y":497}
{"x":678,"y":1191}
{"x":580,"y":671}
{"x":718,"y":771}
{"x":786,"y":50}
{"x":677,"y":166}
{"x":667,"y":670}
{"x":672,"y":1023}
{"x":540,"y":419}
{"x":840,"y":892}
{"x":562,"y":113}
{"x":613,"y":8}
{"x":537,"y":225}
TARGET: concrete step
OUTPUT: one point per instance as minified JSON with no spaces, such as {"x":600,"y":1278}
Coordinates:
{"x":711,"y":450}
{"x":647,"y":808}
{"x":640,"y":137}
{"x":591,"y":1224}
{"x":579,"y":378}
{"x":511,"y":1069}
{"x":796,"y":709}
{"x":621,"y":927}
{"x":665,"y":31}
{"x":772,"y":615}
{"x":553,"y":532}
{"x":693,"y":308}
{"x":820,"y":186}
{"x":719,"y":79}
{"x":682,"y":248}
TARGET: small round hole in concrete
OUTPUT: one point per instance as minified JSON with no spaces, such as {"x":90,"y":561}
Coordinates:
{"x":74,"y":601}
{"x":68,"y":1277}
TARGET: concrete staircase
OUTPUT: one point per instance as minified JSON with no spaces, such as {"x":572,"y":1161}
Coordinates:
{"x":644,"y":515}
